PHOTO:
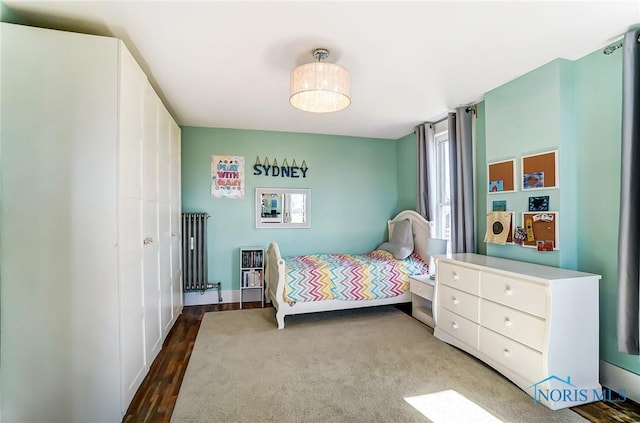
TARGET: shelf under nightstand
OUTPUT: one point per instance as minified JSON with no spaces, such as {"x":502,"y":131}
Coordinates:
{"x":421,"y":287}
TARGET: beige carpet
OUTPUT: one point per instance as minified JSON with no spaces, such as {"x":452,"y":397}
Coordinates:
{"x":347,"y":366}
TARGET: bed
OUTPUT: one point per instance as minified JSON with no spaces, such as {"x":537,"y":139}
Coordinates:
{"x":327,"y":282}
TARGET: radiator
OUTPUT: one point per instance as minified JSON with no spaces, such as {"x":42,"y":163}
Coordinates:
{"x":194,"y":254}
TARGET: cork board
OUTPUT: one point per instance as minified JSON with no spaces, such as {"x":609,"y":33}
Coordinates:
{"x":540,"y":171}
{"x":542,"y":231}
{"x":502,"y":176}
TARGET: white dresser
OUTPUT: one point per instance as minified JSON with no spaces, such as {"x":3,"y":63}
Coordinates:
{"x":537,"y":325}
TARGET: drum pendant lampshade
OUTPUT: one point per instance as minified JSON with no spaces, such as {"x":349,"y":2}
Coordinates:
{"x":320,"y":87}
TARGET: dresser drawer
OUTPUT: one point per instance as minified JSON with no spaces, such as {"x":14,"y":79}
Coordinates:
{"x":462,"y":278}
{"x":520,"y":294}
{"x":421,"y":288}
{"x":459,"y":302}
{"x":512,"y":355}
{"x":522,"y":327}
{"x":458,"y":327}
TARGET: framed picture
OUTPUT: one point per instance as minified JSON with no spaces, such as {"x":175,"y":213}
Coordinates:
{"x":540,"y":171}
{"x":544,"y":245}
{"x":227,"y":176}
{"x":502,"y":176}
{"x":500,"y":205}
{"x":539,"y":203}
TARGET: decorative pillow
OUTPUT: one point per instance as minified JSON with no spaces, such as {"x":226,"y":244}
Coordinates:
{"x":401,"y":242}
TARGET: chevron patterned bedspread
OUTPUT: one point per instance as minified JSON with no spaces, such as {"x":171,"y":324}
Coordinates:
{"x":369,"y":276}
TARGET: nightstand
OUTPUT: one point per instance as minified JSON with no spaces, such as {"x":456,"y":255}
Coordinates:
{"x":421,"y":287}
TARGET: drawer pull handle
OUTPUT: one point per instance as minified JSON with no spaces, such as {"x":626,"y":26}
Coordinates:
{"x":508,"y":322}
{"x":147,"y":241}
{"x":455,"y":276}
{"x":454,"y":300}
{"x":508,"y":290}
{"x":506,"y":352}
{"x":454,"y":325}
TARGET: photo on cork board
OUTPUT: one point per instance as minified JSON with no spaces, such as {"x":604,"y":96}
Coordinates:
{"x":501,"y":176}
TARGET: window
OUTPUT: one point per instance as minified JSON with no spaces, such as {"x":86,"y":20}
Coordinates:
{"x":283,"y":208}
{"x":443,"y":186}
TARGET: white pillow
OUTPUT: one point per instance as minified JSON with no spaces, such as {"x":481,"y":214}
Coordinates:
{"x":401,"y":242}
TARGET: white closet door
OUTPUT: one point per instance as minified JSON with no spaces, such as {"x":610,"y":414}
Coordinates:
{"x":164,"y":153}
{"x":130,"y":231}
{"x":176,"y":210}
{"x":59,"y":327}
{"x":164,"y":139}
{"x":153,"y":333}
{"x":165,"y":269}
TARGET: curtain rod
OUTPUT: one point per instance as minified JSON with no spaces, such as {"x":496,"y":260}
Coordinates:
{"x":431,"y":123}
{"x":437,"y":121}
{"x":613,"y":47}
{"x":468,"y":108}
{"x":619,"y":43}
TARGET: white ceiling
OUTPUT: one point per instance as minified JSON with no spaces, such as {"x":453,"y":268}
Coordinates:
{"x":227,"y":64}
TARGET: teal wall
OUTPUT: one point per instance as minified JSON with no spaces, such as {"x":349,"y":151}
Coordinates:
{"x":529,"y":115}
{"x":481,"y":176}
{"x":598,"y":85}
{"x":407,"y":164}
{"x":9,"y":15}
{"x":353,"y":182}
{"x":574,"y":107}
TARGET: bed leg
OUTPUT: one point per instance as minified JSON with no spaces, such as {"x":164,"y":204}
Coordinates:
{"x":280,"y":319}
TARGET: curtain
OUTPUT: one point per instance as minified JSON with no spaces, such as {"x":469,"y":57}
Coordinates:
{"x":426,"y":169}
{"x":629,"y":228}
{"x":462,"y":185}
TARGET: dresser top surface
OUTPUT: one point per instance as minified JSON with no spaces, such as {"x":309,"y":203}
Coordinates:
{"x":517,"y":267}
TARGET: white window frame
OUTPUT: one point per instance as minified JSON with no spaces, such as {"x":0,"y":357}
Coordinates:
{"x":289,"y":216}
{"x":443,"y":193}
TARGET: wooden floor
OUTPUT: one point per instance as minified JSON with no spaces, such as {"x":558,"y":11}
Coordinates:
{"x":157,"y":395}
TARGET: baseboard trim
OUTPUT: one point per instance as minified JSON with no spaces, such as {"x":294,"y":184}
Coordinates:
{"x":210,"y":296}
{"x":617,"y":379}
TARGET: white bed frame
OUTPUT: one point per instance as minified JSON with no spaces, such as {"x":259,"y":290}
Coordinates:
{"x":275,"y":275}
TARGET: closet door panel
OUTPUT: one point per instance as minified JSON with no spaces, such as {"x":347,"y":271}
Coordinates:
{"x":133,"y":365}
{"x":151,"y":241}
{"x":151,"y":145}
{"x":176,"y":210}
{"x":164,"y":153}
{"x":164,"y":187}
{"x":165,"y":268}
{"x":176,"y":279}
{"x":131,"y":287}
{"x":151,"y":260}
{"x":60,"y":354}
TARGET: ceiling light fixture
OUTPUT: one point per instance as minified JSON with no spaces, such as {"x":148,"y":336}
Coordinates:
{"x":319,"y":86}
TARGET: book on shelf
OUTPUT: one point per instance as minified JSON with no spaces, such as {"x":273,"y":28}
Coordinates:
{"x":251,"y":279}
{"x":252,"y":258}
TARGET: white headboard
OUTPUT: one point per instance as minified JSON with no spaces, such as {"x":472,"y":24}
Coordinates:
{"x":422,"y":230}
